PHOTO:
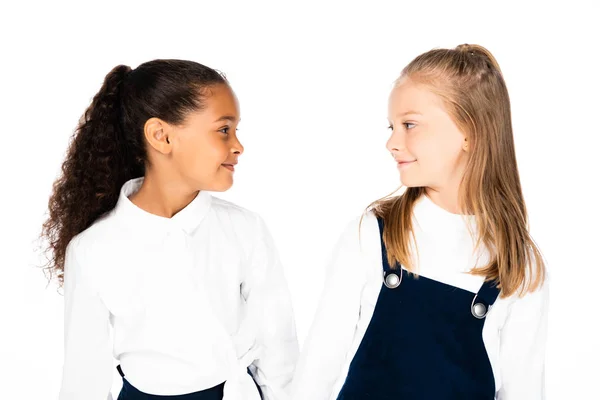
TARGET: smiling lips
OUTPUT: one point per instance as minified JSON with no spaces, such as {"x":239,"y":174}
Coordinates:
{"x":404,"y":163}
{"x":230,"y":166}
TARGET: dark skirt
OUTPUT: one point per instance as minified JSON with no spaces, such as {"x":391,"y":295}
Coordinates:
{"x":129,"y":392}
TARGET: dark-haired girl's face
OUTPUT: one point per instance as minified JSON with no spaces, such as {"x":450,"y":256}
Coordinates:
{"x":205,"y":148}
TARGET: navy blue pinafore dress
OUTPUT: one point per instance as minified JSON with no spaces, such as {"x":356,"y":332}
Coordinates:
{"x":424,"y":342}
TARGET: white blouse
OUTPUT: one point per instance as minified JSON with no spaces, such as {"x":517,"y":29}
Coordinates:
{"x":184,"y":303}
{"x":514,"y":331}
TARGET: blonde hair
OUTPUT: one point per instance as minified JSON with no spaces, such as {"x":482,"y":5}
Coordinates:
{"x":469,"y":81}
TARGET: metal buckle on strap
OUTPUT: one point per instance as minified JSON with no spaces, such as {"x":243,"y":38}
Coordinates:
{"x":479,"y":310}
{"x":391,"y":280}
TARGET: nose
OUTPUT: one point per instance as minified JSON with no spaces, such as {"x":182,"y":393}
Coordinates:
{"x":396,"y":142}
{"x":237,"y":147}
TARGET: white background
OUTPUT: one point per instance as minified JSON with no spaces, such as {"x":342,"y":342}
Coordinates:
{"x":313,"y":81}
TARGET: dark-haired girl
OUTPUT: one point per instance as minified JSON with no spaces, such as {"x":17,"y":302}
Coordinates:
{"x":184,"y":289}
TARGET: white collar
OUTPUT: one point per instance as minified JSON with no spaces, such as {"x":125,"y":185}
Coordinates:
{"x":431,"y":218}
{"x":140,"y":220}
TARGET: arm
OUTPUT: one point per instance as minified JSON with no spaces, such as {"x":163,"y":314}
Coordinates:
{"x":269,"y":303}
{"x":332,"y":331}
{"x":88,"y":363}
{"x":523,"y":346}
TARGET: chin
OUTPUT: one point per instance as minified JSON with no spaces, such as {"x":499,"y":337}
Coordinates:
{"x":214,"y":185}
{"x":408,"y":182}
{"x":222,"y":186}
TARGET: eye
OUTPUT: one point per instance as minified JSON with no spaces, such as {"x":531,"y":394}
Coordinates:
{"x":391,"y":127}
{"x":225,"y":130}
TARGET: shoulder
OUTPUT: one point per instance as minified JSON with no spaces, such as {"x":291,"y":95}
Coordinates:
{"x":358,"y":247}
{"x":105,"y":230}
{"x":361,"y":231}
{"x":538,"y":295}
{"x":88,"y":248}
{"x":528,"y":307}
{"x":355,"y":261}
{"x":246,"y":227}
{"x":535,"y":287}
{"x":229,"y":210}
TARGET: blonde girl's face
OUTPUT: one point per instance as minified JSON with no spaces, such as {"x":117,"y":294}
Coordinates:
{"x":429,"y":149}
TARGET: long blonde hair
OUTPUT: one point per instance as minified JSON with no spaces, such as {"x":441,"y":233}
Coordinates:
{"x":469,"y":81}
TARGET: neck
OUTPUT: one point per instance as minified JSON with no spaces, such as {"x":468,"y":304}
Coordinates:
{"x":162,"y":195}
{"x":447,"y":199}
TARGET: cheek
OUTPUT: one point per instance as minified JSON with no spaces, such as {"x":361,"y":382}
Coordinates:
{"x":202,"y":154}
{"x":434,"y":153}
{"x":424,"y":148}
{"x":214,"y":150}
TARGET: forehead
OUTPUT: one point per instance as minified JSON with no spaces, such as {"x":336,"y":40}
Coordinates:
{"x":221,"y":98}
{"x":219,"y":101}
{"x":408,"y":96}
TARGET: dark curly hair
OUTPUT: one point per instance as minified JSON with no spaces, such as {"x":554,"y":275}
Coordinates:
{"x":108,"y":147}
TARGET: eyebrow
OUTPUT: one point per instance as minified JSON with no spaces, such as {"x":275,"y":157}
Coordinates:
{"x":229,"y":118}
{"x":408,"y":112}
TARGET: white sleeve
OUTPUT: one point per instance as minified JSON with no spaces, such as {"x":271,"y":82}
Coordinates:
{"x":267,"y":296}
{"x":88,"y":362}
{"x":523,"y":347}
{"x":330,"y":338}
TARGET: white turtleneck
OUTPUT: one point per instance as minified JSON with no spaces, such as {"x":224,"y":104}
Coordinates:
{"x":514,"y":332}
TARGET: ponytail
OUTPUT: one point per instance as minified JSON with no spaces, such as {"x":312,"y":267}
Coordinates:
{"x":95,"y":166}
{"x":475,"y":50}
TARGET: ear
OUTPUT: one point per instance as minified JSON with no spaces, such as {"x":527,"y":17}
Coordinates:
{"x":465,"y":145}
{"x":156,"y":132}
